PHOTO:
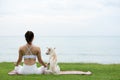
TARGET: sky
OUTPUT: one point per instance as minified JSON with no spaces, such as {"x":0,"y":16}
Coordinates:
{"x":60,"y":17}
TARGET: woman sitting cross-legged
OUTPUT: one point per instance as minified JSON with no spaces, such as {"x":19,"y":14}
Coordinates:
{"x":29,"y":53}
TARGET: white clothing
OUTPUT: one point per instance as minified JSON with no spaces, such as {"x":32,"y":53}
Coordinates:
{"x":29,"y":69}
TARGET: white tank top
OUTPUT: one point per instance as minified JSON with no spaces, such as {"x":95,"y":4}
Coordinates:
{"x":29,"y":56}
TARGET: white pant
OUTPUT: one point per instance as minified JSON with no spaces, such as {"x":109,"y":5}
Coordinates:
{"x":30,"y":69}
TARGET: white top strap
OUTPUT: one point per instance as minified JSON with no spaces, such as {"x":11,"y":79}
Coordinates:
{"x":28,"y":50}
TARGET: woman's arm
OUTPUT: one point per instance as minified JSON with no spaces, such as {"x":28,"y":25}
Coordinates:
{"x":40,"y":59}
{"x":19,"y":58}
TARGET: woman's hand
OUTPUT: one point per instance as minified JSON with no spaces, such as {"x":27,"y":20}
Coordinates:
{"x":15,"y":63}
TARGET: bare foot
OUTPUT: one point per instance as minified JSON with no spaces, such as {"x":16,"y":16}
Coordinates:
{"x":13,"y":72}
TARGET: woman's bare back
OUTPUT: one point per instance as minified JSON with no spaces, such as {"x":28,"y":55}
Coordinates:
{"x":24,"y":51}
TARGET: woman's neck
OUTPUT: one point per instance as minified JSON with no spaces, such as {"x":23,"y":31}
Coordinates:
{"x":29,"y":44}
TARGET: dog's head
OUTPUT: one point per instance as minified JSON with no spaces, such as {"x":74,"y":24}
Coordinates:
{"x":50,"y":51}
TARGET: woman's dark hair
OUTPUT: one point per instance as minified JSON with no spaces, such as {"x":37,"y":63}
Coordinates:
{"x":29,"y":35}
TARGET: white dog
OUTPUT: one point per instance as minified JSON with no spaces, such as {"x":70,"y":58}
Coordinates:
{"x":53,"y":67}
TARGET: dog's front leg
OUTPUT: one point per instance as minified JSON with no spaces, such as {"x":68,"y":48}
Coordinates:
{"x":48,"y":66}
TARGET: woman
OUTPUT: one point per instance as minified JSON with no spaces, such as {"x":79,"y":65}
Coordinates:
{"x":29,"y":53}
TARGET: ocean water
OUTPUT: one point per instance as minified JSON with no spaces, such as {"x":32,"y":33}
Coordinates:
{"x":83,"y":49}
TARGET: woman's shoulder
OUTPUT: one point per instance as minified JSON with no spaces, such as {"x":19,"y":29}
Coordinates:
{"x":36,"y":47}
{"x":23,"y":47}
